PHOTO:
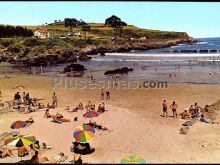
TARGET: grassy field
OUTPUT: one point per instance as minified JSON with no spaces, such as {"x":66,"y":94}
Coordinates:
{"x":100,"y":31}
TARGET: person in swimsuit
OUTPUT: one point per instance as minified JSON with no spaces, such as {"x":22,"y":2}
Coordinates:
{"x":164,"y":104}
{"x":174,"y":106}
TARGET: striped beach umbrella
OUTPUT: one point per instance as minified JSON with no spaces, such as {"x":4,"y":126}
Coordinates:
{"x":20,"y":141}
{"x":84,"y":133}
{"x":133,"y":159}
{"x":90,"y":114}
{"x":18,"y":124}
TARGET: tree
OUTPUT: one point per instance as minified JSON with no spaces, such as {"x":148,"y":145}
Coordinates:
{"x":116,"y":23}
{"x":71,"y":22}
{"x":55,"y":21}
{"x":86,"y":28}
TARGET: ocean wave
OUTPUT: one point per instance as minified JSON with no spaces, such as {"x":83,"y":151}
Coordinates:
{"x":165,"y":55}
{"x":201,"y":43}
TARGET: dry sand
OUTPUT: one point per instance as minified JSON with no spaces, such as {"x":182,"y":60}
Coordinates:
{"x":133,"y":116}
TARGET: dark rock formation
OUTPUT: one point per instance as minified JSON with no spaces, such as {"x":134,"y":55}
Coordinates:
{"x":102,"y":54}
{"x":119,"y":71}
{"x":84,"y":57}
{"x":74,"y":67}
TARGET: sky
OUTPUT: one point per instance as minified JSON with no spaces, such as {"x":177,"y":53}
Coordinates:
{"x":198,"y":19}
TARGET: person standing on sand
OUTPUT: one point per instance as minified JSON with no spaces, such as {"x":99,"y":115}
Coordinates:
{"x":107,"y":95}
{"x":174,"y":108}
{"x":164,"y":104}
{"x":102,"y":94}
{"x":54,"y":99}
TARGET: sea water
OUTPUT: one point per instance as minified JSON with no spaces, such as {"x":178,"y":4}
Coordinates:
{"x":155,"y":65}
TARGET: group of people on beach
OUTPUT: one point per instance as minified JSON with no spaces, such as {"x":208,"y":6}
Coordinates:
{"x":103,"y":93}
{"x":173,"y":107}
{"x":194,"y":111}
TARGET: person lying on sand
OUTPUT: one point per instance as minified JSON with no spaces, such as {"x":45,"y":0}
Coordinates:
{"x":74,"y":109}
{"x":6,"y":152}
{"x":185,"y":115}
{"x":98,"y":126}
{"x":61,"y":157}
{"x":22,"y":151}
{"x":47,"y":114}
{"x":30,"y":121}
{"x":82,"y":148}
{"x":206,"y":120}
{"x":59,"y":118}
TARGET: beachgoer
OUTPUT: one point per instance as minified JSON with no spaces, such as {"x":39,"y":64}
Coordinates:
{"x":59,"y":115}
{"x":54,"y":99}
{"x":30,"y":121}
{"x":164,"y":105}
{"x":173,"y":107}
{"x":88,"y":106}
{"x":17,"y":98}
{"x":196,"y":107}
{"x":102,"y":94}
{"x":47,"y":114}
{"x":67,"y":108}
{"x":191,"y":110}
{"x":22,"y":151}
{"x":185,"y":115}
{"x":24,"y":97}
{"x":5,"y":153}
{"x":35,"y":146}
{"x":206,"y":120}
{"x":35,"y":158}
{"x":81,"y":107}
{"x":107,"y":95}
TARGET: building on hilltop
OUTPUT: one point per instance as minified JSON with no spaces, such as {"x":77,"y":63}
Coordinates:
{"x":75,"y":33}
{"x":41,"y":33}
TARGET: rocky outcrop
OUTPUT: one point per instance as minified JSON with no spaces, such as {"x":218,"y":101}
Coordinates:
{"x":57,"y":54}
{"x":73,"y":67}
{"x":123,"y":70}
{"x":84,"y":57}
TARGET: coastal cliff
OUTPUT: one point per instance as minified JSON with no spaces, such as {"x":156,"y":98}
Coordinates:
{"x":55,"y":50}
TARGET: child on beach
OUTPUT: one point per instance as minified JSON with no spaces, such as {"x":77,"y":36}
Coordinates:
{"x":174,"y":106}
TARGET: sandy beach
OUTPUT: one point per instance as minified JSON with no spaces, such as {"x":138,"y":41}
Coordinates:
{"x":133,"y":117}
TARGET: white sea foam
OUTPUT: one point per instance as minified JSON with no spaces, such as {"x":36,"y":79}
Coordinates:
{"x":165,"y":55}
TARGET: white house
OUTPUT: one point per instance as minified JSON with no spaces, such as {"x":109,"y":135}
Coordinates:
{"x":41,"y":33}
{"x":74,"y":34}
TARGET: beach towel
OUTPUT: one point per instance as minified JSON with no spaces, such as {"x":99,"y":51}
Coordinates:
{"x":59,"y":159}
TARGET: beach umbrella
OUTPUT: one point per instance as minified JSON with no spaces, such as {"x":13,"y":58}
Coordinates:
{"x":133,"y":159}
{"x":84,"y":133}
{"x":90,"y":114}
{"x":20,"y":141}
{"x":18,"y":124}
